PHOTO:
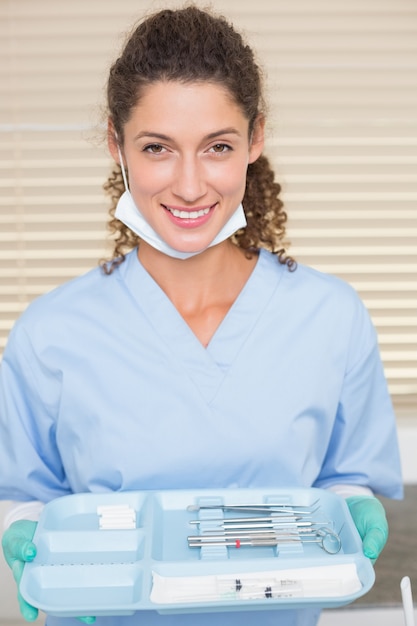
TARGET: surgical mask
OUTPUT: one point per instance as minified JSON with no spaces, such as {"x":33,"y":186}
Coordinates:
{"x":128,"y":213}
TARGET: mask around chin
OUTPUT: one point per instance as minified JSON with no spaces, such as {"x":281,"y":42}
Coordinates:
{"x":128,"y":213}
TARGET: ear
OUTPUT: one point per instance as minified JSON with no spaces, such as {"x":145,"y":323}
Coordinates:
{"x":112,"y":141}
{"x":257,"y":141}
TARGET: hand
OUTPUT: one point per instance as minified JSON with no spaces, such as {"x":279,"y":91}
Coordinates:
{"x":18,"y":549}
{"x":370,"y":520}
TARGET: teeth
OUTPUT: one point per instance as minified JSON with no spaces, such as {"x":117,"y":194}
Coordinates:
{"x":188,"y":214}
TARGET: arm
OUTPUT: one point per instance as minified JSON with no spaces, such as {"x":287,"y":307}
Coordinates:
{"x":363,"y":455}
{"x":30,"y":394}
{"x":363,"y":448}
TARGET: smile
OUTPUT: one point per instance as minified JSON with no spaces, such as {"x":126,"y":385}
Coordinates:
{"x":188,"y":215}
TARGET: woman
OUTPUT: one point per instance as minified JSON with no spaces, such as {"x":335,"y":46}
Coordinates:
{"x":200,"y":355}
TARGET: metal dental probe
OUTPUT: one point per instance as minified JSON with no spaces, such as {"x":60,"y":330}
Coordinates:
{"x":267,"y":508}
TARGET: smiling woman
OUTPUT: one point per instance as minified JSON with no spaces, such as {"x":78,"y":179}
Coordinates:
{"x":200,"y":355}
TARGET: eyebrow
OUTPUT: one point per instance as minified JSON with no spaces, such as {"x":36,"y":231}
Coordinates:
{"x":223,"y":131}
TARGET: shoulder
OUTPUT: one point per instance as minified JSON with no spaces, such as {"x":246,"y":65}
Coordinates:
{"x":324,"y":285}
{"x":80,"y":301}
{"x":70,"y":294}
{"x":319,"y":299}
{"x":308,"y":281}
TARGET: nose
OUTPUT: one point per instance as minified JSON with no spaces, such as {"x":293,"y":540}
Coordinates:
{"x":189,"y":183}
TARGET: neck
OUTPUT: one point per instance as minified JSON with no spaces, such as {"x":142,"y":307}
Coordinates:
{"x":193,"y":277}
{"x":203,"y":287}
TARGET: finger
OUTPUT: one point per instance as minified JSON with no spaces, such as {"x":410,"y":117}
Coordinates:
{"x":374,"y":542}
{"x":17,"y":570}
{"x":29,"y":612}
{"x":21,"y":549}
{"x":27,"y":551}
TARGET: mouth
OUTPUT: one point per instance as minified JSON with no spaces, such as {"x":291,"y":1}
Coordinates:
{"x":187,"y":214}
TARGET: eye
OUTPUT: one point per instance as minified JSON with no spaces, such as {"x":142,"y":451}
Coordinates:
{"x":154,"y":148}
{"x":220,"y":148}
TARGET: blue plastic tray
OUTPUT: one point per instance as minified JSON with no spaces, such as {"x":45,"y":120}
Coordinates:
{"x":81,"y":569}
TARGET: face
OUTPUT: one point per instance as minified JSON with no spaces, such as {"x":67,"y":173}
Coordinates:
{"x":187,"y":148}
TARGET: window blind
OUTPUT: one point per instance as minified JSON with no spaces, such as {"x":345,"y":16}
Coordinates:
{"x":342,"y":91}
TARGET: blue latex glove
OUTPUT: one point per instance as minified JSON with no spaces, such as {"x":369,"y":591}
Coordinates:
{"x":370,"y":520}
{"x":18,"y":549}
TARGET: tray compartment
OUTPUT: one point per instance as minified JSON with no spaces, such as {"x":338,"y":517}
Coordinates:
{"x":90,"y":547}
{"x":85,"y":588}
{"x":80,"y":511}
{"x":170,"y":530}
{"x":211,"y":516}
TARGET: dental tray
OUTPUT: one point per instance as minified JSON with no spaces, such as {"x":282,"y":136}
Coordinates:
{"x":120,"y":552}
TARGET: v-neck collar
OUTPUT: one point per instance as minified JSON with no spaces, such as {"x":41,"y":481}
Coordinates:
{"x":207,"y":367}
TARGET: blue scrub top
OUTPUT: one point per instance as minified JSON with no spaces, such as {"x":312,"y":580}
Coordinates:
{"x":104,"y":387}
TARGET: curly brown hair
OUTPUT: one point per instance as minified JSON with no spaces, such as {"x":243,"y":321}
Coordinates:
{"x":192,"y":45}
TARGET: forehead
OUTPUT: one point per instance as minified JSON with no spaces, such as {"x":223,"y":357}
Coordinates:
{"x":200,"y":105}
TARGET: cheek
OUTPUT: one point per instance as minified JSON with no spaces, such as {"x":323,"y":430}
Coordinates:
{"x":148,"y":180}
{"x":231,"y":178}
